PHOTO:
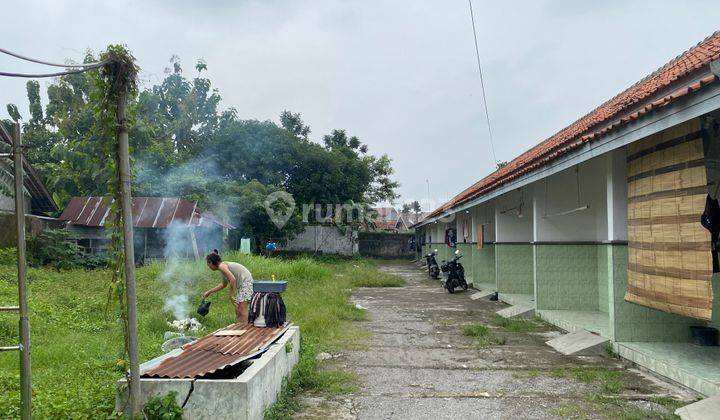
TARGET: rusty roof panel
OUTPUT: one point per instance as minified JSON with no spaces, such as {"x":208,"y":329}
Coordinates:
{"x":149,"y":214}
{"x":73,"y":208}
{"x":184,"y":212}
{"x":212,"y":353}
{"x":138,"y":206}
{"x":88,"y":210}
{"x":167,"y":212}
{"x":100,"y":212}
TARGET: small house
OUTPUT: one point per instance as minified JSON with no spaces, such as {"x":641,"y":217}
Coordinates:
{"x":164,"y":226}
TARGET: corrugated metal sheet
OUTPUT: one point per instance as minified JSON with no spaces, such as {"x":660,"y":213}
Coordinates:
{"x":148,"y":212}
{"x":41,"y":200}
{"x":212,"y":353}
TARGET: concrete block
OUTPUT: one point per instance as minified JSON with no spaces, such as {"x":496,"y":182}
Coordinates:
{"x":701,"y":410}
{"x":244,"y":397}
{"x":580,"y":343}
{"x":521,"y":311}
{"x":481,"y":294}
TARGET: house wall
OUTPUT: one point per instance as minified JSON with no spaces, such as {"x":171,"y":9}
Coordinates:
{"x":514,"y":268}
{"x":324,"y":239}
{"x":34,"y":226}
{"x":385,"y":245}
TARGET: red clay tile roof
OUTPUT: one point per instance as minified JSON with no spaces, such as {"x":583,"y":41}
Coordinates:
{"x":212,"y":353}
{"x":386,"y":213}
{"x":675,"y":79}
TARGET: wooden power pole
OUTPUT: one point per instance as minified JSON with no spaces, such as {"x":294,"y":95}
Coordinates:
{"x":25,"y":388}
{"x":126,"y":205}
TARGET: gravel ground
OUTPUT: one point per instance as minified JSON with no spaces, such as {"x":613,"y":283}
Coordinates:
{"x":418,"y":363}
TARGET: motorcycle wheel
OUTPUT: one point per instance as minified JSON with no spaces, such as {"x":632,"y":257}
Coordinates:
{"x":465,"y":286}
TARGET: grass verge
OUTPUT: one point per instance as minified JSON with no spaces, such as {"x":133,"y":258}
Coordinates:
{"x":514,"y":324}
{"x":77,"y":339}
{"x":482,"y":335}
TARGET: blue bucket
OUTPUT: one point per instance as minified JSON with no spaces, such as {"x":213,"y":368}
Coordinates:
{"x":269,"y":286}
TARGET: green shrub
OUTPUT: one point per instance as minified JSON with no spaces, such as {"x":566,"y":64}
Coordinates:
{"x":8,"y":256}
{"x":58,"y":249}
{"x":163,"y":407}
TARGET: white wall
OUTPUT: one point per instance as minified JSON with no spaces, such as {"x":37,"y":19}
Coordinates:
{"x":511,"y":226}
{"x":326,"y":239}
{"x":616,"y":187}
{"x":464,"y":226}
{"x":559,"y":193}
{"x":484,"y":214}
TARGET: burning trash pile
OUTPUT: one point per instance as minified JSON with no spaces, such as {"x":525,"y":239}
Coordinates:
{"x":187,"y":324}
{"x":177,"y":339}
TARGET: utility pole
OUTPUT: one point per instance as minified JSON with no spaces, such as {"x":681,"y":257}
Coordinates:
{"x":126,"y":205}
{"x":25,"y":388}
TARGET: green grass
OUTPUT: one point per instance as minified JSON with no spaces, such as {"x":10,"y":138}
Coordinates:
{"x":77,"y":340}
{"x":608,"y":381}
{"x":482,"y":335}
{"x":514,"y":324}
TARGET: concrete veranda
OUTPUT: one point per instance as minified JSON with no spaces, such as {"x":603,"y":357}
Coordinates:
{"x":419,"y":364}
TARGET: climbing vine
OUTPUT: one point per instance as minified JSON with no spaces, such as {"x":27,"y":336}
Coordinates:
{"x":117,"y":84}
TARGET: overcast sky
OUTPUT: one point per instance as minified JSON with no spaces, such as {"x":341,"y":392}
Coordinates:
{"x":401,"y":75}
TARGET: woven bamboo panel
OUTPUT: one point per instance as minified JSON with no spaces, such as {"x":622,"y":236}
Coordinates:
{"x":670,"y":265}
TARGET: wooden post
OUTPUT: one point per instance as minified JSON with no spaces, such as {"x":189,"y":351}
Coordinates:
{"x":193,"y":239}
{"x":126,"y":205}
{"x":25,"y":388}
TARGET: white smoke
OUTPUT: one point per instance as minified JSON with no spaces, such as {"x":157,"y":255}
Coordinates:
{"x":183,"y":181}
{"x":178,"y":247}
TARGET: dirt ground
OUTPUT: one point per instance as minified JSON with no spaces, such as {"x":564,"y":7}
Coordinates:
{"x":424,"y":361}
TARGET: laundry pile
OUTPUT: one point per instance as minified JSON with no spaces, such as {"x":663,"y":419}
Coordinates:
{"x":267,"y":310}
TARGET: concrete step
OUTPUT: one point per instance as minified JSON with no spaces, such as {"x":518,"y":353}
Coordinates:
{"x":517,"y":311}
{"x":701,"y":410}
{"x":481,"y":294}
{"x":580,"y":343}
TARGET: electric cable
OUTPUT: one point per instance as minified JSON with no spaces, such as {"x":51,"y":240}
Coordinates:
{"x":35,"y":60}
{"x":62,"y":73}
{"x":482,"y":82}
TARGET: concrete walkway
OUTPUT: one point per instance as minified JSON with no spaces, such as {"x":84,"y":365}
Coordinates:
{"x":420,"y":365}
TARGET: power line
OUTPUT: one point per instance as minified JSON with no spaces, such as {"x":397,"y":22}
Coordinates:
{"x":35,"y":60}
{"x":482,"y":82}
{"x":61,"y":73}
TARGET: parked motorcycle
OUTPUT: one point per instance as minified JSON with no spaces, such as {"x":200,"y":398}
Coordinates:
{"x":432,"y":265}
{"x":455,"y":274}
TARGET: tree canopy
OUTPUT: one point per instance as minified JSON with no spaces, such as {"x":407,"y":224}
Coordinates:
{"x":184,"y":144}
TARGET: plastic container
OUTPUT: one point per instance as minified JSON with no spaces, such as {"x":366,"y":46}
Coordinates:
{"x":704,"y":336}
{"x":269,"y":286}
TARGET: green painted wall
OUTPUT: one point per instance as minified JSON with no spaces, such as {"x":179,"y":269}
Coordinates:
{"x":603,"y":275}
{"x":566,"y":277}
{"x":633,"y":322}
{"x":466,"y":249}
{"x":716,"y":301}
{"x":483,"y":262}
{"x":514,"y":268}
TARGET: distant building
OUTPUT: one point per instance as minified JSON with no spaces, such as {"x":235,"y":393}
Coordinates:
{"x":605,"y":225}
{"x":39,"y":201}
{"x":163,"y":226}
{"x":406,"y":220}
{"x":386,"y":219}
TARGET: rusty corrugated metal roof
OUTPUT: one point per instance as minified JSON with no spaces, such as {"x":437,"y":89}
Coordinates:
{"x":148,"y":212}
{"x":212,"y":353}
{"x":41,"y":201}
